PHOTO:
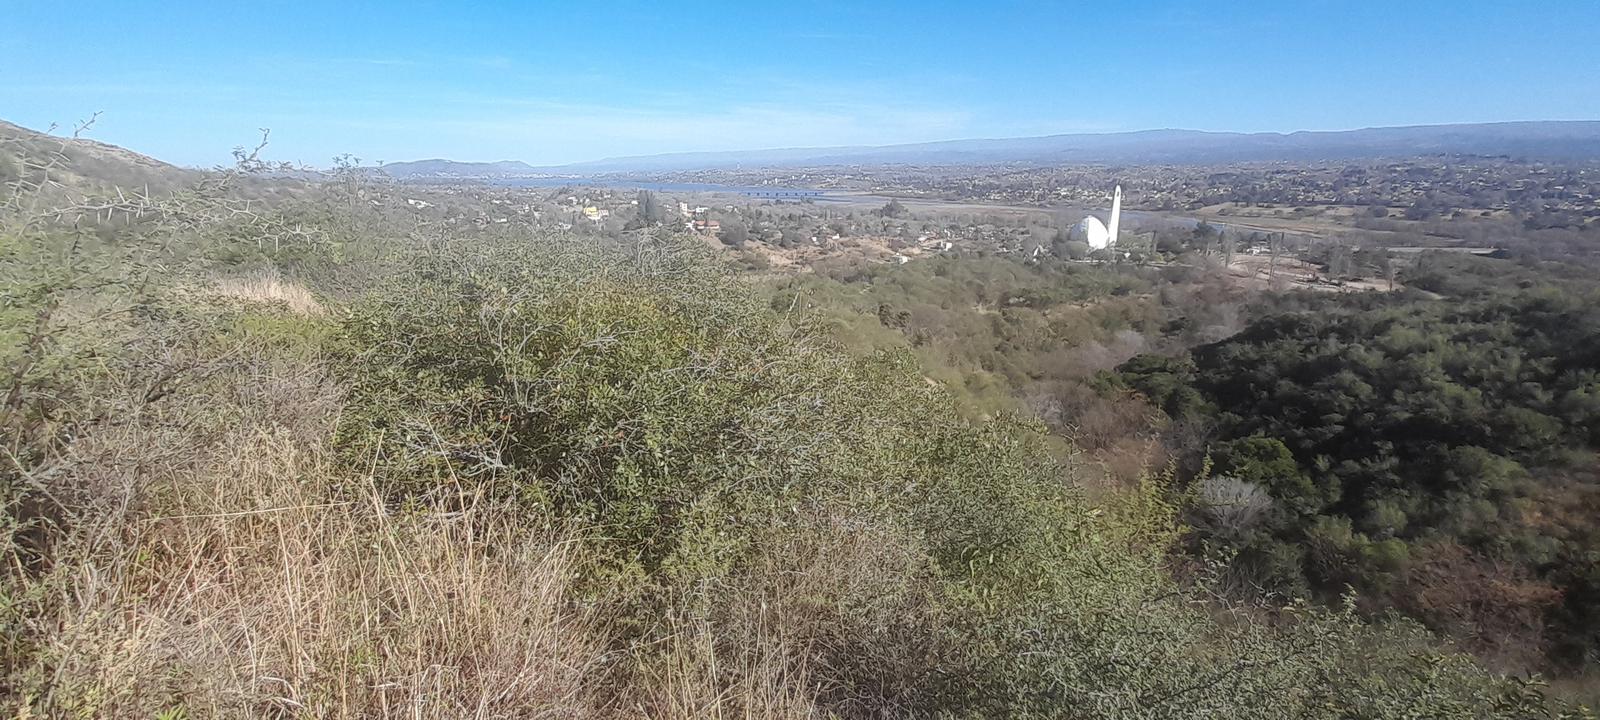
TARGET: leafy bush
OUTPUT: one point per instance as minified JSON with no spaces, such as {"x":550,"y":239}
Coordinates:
{"x":1382,"y":422}
{"x":710,"y":451}
{"x":648,"y":400}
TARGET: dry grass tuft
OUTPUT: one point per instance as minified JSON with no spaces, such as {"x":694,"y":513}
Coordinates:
{"x":226,"y":575}
{"x":705,"y":673}
{"x":273,"y":599}
{"x":215,"y":563}
{"x":268,"y":288}
{"x":808,"y":631}
{"x":814,"y":628}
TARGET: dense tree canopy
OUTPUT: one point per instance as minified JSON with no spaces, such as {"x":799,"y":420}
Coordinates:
{"x":1390,"y":430}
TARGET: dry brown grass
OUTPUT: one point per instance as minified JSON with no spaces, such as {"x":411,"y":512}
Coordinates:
{"x":831,"y":619}
{"x":309,"y":608}
{"x":268,"y":288}
{"x":226,"y":575}
{"x":701,"y":674}
{"x":215,"y":561}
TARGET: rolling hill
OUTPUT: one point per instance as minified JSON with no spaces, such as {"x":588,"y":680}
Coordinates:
{"x":1546,"y":140}
{"x":83,"y":166}
{"x":437,"y":168}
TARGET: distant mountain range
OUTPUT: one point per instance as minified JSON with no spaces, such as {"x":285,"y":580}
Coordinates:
{"x":93,"y":164}
{"x":451,"y":168}
{"x":1545,"y":140}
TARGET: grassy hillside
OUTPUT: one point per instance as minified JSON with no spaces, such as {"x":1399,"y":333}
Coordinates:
{"x":1003,"y":335}
{"x":516,"y":476}
{"x":82,"y":166}
{"x":1430,"y":450}
{"x":65,"y":177}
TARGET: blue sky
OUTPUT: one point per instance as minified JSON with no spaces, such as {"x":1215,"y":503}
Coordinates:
{"x":187,"y":80}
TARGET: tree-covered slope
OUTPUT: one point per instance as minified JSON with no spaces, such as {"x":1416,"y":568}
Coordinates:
{"x":1430,"y":452}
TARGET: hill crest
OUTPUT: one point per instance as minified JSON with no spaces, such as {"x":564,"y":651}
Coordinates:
{"x":1544,"y":140}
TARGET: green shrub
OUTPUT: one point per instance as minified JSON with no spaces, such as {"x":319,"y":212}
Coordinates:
{"x":706,"y":443}
{"x":651,"y":401}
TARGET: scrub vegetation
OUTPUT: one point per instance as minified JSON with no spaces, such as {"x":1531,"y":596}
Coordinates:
{"x":314,"y":460}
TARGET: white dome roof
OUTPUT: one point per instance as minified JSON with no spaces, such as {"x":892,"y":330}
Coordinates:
{"x":1095,"y":233}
